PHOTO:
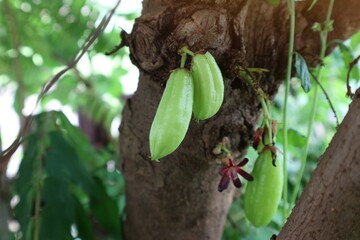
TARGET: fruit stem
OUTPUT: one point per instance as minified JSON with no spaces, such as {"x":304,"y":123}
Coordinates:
{"x":291,"y":6}
{"x":183,"y":60}
{"x":226,"y":150}
{"x":186,"y":50}
{"x":265,"y":104}
{"x":267,"y":118}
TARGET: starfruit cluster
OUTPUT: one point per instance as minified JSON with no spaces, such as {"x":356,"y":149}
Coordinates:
{"x":199,"y":90}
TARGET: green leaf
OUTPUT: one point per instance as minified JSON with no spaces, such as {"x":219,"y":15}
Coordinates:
{"x":24,"y":184}
{"x":62,"y":163}
{"x":106,"y":210}
{"x":26,"y":170}
{"x":23,"y":210}
{"x":348,"y":57}
{"x":302,"y":72}
{"x":345,"y":51}
{"x":328,"y":26}
{"x":295,"y":138}
{"x":316,"y":27}
{"x":75,"y":137}
{"x":83,"y":222}
{"x":355,"y":40}
{"x":57,"y":214}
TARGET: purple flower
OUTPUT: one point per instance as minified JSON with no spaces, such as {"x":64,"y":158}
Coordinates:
{"x":233,"y":171}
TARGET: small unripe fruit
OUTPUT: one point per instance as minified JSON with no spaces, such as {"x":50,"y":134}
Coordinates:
{"x":173,"y":115}
{"x":208,"y":86}
{"x":262,"y":196}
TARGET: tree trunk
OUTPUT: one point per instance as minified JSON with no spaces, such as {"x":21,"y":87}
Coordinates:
{"x":329,"y":207}
{"x":178,"y":198}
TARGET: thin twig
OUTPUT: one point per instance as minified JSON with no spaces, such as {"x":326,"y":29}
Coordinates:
{"x":292,"y":12}
{"x":7,"y":153}
{"x":123,"y":36}
{"x":348,"y":87}
{"x":327,"y":97}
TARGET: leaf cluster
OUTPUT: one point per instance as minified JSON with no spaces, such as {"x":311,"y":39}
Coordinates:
{"x":61,"y":184}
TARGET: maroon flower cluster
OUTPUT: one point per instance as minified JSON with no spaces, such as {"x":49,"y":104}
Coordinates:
{"x":233,"y":172}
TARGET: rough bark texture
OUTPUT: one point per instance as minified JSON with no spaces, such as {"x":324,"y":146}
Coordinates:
{"x":329,"y":207}
{"x":177,"y":198}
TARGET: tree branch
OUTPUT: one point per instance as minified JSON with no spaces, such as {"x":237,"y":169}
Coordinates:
{"x":329,"y":206}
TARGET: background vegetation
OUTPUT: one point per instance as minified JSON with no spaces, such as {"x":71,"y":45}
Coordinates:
{"x":72,"y":165}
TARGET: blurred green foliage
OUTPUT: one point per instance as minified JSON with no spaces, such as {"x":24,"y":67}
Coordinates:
{"x":59,"y":182}
{"x":65,"y":187}
{"x":38,"y":38}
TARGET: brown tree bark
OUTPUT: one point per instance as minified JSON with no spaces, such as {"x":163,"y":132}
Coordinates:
{"x":329,"y":207}
{"x":177,"y":198}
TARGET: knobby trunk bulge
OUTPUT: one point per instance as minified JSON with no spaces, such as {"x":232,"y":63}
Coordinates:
{"x":178,"y":198}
